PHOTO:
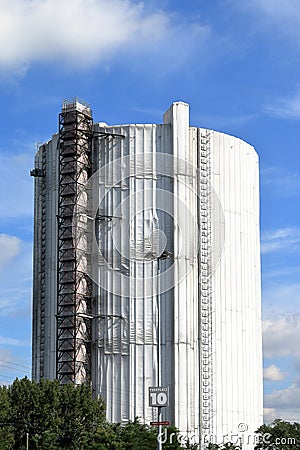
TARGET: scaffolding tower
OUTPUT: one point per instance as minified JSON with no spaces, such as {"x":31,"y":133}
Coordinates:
{"x":74,"y":288}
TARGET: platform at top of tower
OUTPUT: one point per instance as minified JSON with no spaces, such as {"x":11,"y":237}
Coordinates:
{"x":76,"y":103}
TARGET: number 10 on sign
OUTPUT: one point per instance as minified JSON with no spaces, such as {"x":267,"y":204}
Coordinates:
{"x":159,"y":396}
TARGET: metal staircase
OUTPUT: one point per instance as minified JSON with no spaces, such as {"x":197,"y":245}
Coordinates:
{"x":74,"y":293}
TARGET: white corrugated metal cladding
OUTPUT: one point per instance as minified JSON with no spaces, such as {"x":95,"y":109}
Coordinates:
{"x":176,"y":270}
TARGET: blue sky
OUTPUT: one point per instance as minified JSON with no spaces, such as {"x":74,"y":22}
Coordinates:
{"x":236,"y":62}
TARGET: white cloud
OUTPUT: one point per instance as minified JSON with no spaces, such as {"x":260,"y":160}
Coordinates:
{"x":281,"y":337}
{"x":11,"y":366}
{"x":281,"y":239}
{"x":273,"y":373}
{"x":16,"y":186}
{"x":15,"y":300}
{"x":282,"y":14}
{"x":280,"y":299}
{"x":13,"y":342}
{"x":277,"y":9}
{"x":9,"y":248}
{"x":221,"y":121}
{"x":15,"y":294}
{"x":281,"y":271}
{"x":269,"y":415}
{"x":288,"y":108}
{"x":282,"y":182}
{"x":284,"y":403}
{"x":82,"y":32}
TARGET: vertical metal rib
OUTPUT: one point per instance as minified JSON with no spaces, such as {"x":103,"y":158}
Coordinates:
{"x":43,"y":268}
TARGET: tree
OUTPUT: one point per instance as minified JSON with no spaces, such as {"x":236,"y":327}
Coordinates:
{"x":55,"y":416}
{"x":80,"y":415}
{"x":173,"y":440}
{"x":227,"y":446}
{"x":278,"y":435}
{"x":61,"y":417}
{"x":135,"y":436}
{"x":6,"y":430}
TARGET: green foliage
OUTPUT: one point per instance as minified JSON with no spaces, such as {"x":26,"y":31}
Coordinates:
{"x":136,"y":436}
{"x":55,"y":416}
{"x":227,"y":446}
{"x":6,"y":431}
{"x":279,"y":435}
{"x":172,"y":440}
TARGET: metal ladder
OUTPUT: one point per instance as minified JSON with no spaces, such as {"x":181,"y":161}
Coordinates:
{"x":205,"y":260}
